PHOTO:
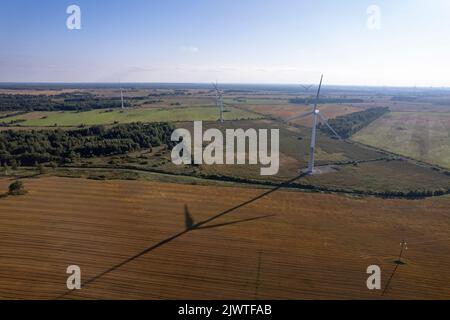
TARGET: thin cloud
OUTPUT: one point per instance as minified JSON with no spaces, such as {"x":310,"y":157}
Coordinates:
{"x":190,"y":49}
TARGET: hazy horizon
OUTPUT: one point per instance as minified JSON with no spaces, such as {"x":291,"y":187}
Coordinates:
{"x":209,"y":84}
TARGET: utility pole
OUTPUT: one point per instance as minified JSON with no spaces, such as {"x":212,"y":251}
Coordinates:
{"x":403,"y":247}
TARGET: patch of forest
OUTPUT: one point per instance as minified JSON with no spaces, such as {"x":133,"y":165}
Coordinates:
{"x":44,"y":146}
{"x":404,"y":99}
{"x":60,"y":102}
{"x":349,"y":124}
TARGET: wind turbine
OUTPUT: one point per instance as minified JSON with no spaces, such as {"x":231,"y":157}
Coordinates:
{"x":121,"y":96}
{"x":306,"y":88}
{"x":219,"y":100}
{"x":316,"y":116}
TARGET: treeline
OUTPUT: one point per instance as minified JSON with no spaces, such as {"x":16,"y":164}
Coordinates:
{"x":34,"y":147}
{"x":422,"y":99}
{"x":325,"y":100}
{"x":407,"y":194}
{"x":388,"y":194}
{"x":413,"y":194}
{"x":349,"y":124}
{"x":61,"y":102}
{"x":404,"y":99}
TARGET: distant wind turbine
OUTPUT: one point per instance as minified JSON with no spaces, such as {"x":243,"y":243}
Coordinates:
{"x":316,"y":116}
{"x":219,"y":100}
{"x":306,"y":88}
{"x":121,"y":97}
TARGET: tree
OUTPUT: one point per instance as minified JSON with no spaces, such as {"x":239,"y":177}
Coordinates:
{"x":6,"y":169}
{"x":41,"y":168}
{"x":16,"y":188}
{"x":14,"y":164}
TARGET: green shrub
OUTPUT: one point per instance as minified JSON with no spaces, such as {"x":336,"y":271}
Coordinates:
{"x":16,"y":188}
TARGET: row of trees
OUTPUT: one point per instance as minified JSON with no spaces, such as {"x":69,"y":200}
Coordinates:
{"x":349,"y":124}
{"x":61,"y":102}
{"x":407,"y":194}
{"x":412,"y":194}
{"x":69,"y":102}
{"x":34,"y":147}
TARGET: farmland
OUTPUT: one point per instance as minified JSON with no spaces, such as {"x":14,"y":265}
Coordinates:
{"x":192,"y":153}
{"x":285,"y":111}
{"x":375,"y":172}
{"x":98,"y":195}
{"x":96,"y":117}
{"x":301,"y":243}
{"x":420,"y":135}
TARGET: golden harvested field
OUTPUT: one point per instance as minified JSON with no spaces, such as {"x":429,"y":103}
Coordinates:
{"x":297,"y":245}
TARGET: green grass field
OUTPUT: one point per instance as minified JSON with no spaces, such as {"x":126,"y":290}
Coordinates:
{"x":251,"y":101}
{"x":420,"y":135}
{"x":383,"y":176}
{"x":96,"y":117}
{"x":294,"y":154}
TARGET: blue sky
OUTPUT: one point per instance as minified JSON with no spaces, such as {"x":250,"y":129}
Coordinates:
{"x":246,"y":41}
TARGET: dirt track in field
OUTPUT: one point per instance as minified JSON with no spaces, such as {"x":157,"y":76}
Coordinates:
{"x":290,"y":245}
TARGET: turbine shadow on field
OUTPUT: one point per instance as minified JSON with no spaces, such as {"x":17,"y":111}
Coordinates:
{"x":234,"y":222}
{"x":188,"y":220}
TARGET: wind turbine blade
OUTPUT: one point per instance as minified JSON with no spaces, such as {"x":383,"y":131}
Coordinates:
{"x":217,"y":93}
{"x":318,"y":94}
{"x":219,"y":100}
{"x":320,"y":86}
{"x":304,"y":115}
{"x":329,"y":127}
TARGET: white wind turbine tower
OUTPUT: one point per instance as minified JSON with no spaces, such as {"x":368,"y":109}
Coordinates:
{"x":219,"y":100}
{"x":316,"y":116}
{"x":121,"y":96}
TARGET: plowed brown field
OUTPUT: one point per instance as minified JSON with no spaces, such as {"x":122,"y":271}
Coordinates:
{"x":304,"y":245}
